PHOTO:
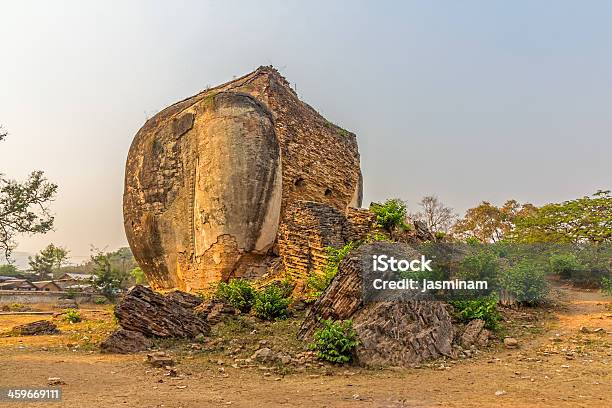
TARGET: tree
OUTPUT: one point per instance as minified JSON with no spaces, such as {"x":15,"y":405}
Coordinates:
{"x":42,"y":264}
{"x":23,"y":207}
{"x":488,"y":223}
{"x":50,"y":258}
{"x":436,"y":216}
{"x":582,"y":220}
{"x":8,"y":270}
{"x":106,"y":278}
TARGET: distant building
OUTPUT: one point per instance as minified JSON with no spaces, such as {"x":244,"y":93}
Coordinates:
{"x":47,"y":286}
{"x":17,"y":284}
{"x":72,"y":279}
{"x":87,"y":288}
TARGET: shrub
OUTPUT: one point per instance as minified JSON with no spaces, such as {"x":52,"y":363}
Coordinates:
{"x":606,"y":286}
{"x":317,"y":283}
{"x":335,"y":341}
{"x":239,"y":293}
{"x":72,"y":316}
{"x":526,"y":281}
{"x":100,"y":300}
{"x":484,"y":308}
{"x":482,"y":265}
{"x":270,"y":304}
{"x":564,"y":265}
{"x":391,"y":215}
{"x":286,"y":286}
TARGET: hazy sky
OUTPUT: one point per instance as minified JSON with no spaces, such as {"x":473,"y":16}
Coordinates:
{"x":471,"y":100}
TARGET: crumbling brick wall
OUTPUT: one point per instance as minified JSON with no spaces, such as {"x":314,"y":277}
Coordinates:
{"x":361,"y":222}
{"x":309,"y":227}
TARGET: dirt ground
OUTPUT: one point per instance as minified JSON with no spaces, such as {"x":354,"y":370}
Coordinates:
{"x":557,"y":365}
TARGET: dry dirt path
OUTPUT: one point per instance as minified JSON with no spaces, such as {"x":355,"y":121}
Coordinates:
{"x":559,"y":367}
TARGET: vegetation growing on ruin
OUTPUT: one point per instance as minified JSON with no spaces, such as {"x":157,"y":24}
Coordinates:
{"x":317,"y":283}
{"x":335,"y":341}
{"x":390,"y":215}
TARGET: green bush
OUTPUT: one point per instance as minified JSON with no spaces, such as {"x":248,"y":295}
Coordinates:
{"x":390,"y":215}
{"x":482,"y":265}
{"x":100,"y":300}
{"x":286,"y":286}
{"x":72,"y":316}
{"x":317,"y":283}
{"x":564,"y":265}
{"x":239,"y":293}
{"x":606,"y":286}
{"x":526,"y":281}
{"x":270,"y":304}
{"x":484,"y":308}
{"x":335,"y":341}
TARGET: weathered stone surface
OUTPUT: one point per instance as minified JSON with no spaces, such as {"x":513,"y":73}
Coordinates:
{"x":471,"y":333}
{"x":511,"y":342}
{"x":264,"y":355}
{"x":67,"y":304}
{"x":396,"y":333}
{"x":403,"y":333}
{"x":35,"y":328}
{"x":159,"y":359}
{"x":187,"y":300}
{"x":125,"y":342}
{"x":214,"y":310}
{"x":308,"y":228}
{"x":155,"y":315}
{"x":208,"y":179}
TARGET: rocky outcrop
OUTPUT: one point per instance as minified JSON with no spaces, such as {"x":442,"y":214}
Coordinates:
{"x":125,"y":342}
{"x":209,"y":178}
{"x":474,"y":334}
{"x":154,"y":315}
{"x":396,"y":332}
{"x":36,"y":328}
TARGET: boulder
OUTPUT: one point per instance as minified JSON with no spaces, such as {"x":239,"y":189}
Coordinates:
{"x":67,"y":304}
{"x":35,"y":328}
{"x":472,"y":333}
{"x":264,"y":355}
{"x":159,"y":359}
{"x":396,"y":332}
{"x":187,"y":300}
{"x":125,"y":342}
{"x":214,"y":310}
{"x":511,"y":342}
{"x":154,"y":315}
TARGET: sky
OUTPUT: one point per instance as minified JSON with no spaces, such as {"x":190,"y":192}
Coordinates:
{"x":470,"y":101}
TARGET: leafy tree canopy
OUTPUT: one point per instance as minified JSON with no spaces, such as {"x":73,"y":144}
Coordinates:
{"x":9,"y":270}
{"x":23,"y":207}
{"x":488,"y":223}
{"x":582,"y":220}
{"x":50,"y":258}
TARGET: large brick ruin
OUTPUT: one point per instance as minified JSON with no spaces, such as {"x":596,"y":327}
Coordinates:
{"x":308,"y":228}
{"x":223,"y":183}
